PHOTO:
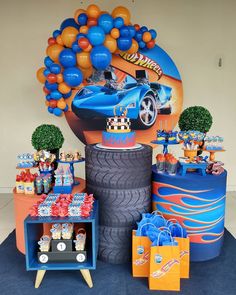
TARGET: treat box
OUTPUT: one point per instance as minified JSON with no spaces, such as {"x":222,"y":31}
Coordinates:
{"x":62,"y":257}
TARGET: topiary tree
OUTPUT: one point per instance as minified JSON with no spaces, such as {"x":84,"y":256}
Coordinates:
{"x":195,"y":118}
{"x":47,"y":137}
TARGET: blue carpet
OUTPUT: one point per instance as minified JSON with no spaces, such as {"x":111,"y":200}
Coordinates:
{"x":215,"y":277}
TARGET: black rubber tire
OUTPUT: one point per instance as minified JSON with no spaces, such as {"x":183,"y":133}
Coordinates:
{"x":118,"y":169}
{"x":121,"y":207}
{"x":115,"y":244}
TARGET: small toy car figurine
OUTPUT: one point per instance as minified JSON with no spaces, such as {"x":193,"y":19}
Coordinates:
{"x":215,"y":168}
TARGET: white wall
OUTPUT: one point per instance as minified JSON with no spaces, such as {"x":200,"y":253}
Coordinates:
{"x":195,"y":34}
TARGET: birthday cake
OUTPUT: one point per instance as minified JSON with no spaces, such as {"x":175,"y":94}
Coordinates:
{"x":118,"y":133}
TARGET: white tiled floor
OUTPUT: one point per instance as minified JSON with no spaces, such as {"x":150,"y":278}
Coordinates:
{"x":7,"y":222}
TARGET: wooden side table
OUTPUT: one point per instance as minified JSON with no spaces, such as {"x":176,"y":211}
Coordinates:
{"x":33,"y":228}
{"x":22,"y":205}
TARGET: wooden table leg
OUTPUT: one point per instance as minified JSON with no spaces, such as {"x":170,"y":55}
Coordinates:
{"x":39,"y":278}
{"x":86,"y":275}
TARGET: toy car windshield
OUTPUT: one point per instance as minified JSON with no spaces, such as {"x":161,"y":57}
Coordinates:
{"x":141,"y":77}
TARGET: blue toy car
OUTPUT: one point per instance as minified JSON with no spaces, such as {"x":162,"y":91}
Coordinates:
{"x":141,"y":99}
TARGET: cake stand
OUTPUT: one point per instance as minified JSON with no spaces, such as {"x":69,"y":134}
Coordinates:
{"x":71,"y":163}
{"x":165,"y":145}
{"x":212,"y":154}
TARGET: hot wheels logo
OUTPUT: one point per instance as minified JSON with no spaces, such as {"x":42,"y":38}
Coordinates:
{"x":142,"y":260}
{"x":164,"y":269}
{"x":142,"y":61}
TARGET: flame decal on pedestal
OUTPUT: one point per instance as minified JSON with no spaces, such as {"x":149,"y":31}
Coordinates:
{"x":201,"y":212}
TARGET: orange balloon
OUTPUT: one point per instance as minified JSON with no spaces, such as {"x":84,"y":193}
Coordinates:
{"x":123,"y":12}
{"x":77,"y":13}
{"x":61,"y":104}
{"x":115,"y":33}
{"x":83,"y":29}
{"x":53,"y":51}
{"x":64,"y":88}
{"x":68,"y":36}
{"x":47,"y":103}
{"x":60,"y":78}
{"x":59,"y":40}
{"x":88,"y":49}
{"x":40,"y":76}
{"x":83,"y":60}
{"x":134,"y":47}
{"x":93,"y":11}
{"x":87,"y":72}
{"x":110,"y":43}
{"x":147,"y":37}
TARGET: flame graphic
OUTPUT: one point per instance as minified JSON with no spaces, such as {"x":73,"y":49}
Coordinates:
{"x":201,"y":212}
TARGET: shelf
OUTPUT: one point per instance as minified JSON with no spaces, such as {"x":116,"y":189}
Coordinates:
{"x":35,"y":227}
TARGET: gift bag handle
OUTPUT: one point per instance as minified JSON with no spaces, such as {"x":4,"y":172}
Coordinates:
{"x":148,"y":223}
{"x":179,"y":226}
{"x":161,"y":232}
{"x":171,"y":220}
{"x":159,"y":214}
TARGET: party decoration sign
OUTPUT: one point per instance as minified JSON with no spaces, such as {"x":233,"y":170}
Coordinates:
{"x":97,"y":61}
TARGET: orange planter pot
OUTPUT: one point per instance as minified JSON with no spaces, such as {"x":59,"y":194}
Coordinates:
{"x":23,"y":203}
{"x":190,"y":154}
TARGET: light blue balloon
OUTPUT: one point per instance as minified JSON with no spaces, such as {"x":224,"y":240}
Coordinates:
{"x":100,"y":57}
{"x":56,"y":94}
{"x":73,"y":76}
{"x":105,"y":21}
{"x":96,"y":35}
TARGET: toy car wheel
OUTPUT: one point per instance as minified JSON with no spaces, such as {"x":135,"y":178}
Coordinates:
{"x":147,"y":112}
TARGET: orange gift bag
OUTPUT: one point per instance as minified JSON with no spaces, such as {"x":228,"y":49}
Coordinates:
{"x":184,"y":247}
{"x":164,"y":272}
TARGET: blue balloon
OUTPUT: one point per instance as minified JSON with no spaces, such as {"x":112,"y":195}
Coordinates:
{"x":69,"y":22}
{"x":46,"y":72}
{"x":143,"y":29}
{"x":66,"y":108}
{"x":73,"y":76}
{"x":82,"y":19}
{"x":138,"y":36}
{"x":48,"y":97}
{"x":51,"y":86}
{"x":141,"y":44}
{"x":153,"y":33}
{"x":76,"y":48}
{"x":124,"y":43}
{"x":48,"y":61}
{"x":57,"y":112}
{"x":67,"y":95}
{"x":118,"y":22}
{"x":55,"y":68}
{"x":132,"y":31}
{"x":100,"y":57}
{"x":56,"y":94}
{"x":56,"y":33}
{"x":50,"y":110}
{"x":67,"y":58}
{"x":96,"y":35}
{"x":124,"y":31}
{"x":80,"y":35}
{"x":105,"y":21}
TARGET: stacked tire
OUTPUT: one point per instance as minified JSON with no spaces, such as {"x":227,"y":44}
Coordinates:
{"x":121,"y":181}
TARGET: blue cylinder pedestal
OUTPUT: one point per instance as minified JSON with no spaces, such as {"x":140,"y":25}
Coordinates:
{"x":198,"y":203}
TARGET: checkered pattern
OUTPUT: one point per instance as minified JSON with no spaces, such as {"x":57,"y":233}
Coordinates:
{"x":118,"y":124}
